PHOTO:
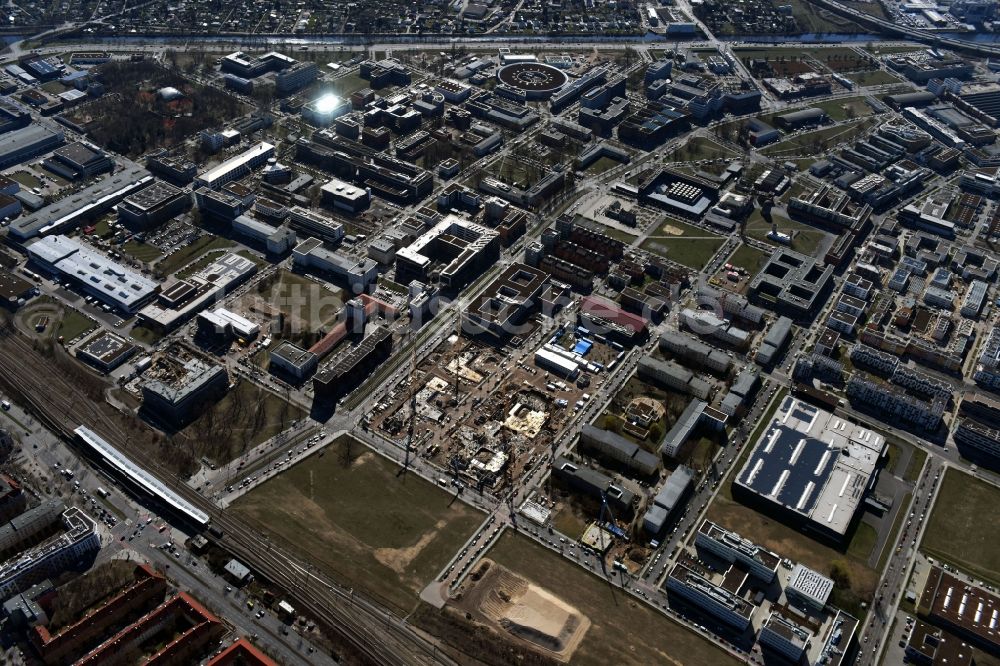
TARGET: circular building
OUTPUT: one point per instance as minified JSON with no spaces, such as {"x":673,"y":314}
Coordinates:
{"x":537,"y":80}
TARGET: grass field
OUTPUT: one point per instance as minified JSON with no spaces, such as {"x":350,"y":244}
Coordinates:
{"x":190,"y":253}
{"x":247,"y":416}
{"x":26,"y":179}
{"x":146,"y":335}
{"x":623,"y":630}
{"x":142,"y":251}
{"x":396,"y":536}
{"x":963,"y":525}
{"x":876,"y":77}
{"x":684,"y":244}
{"x":700,"y":148}
{"x":602,"y":164}
{"x":805,"y":239}
{"x":916,"y":464}
{"x":73,"y":324}
{"x":749,"y":258}
{"x":864,"y":540}
{"x":350,"y":83}
{"x":845,"y":109}
{"x":807,"y":142}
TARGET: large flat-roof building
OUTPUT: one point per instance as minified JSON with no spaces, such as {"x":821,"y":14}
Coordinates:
{"x":153,"y":205}
{"x":615,"y":447}
{"x":27,"y":142}
{"x":695,"y":352}
{"x":181,"y":300}
{"x":83,"y":205}
{"x":811,"y":469}
{"x":179,"y":384}
{"x":792,"y":283}
{"x":452,"y":253}
{"x":730,"y":547}
{"x":79,"y":160}
{"x":359,"y":273}
{"x":99,"y":276}
{"x":503,"y":305}
{"x":594,"y":484}
{"x":965,"y":609}
{"x":236,"y":167}
{"x":347,"y":371}
{"x":710,"y":593}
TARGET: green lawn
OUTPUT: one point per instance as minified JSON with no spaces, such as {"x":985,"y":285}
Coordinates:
{"x":889,"y":50}
{"x":142,"y":251}
{"x":350,"y":83}
{"x":601,"y":165}
{"x":876,"y":77}
{"x":623,"y":631}
{"x":916,"y":464}
{"x":191,"y":252}
{"x":353,"y":516}
{"x":26,"y":179}
{"x":700,"y":148}
{"x":309,"y":305}
{"x":807,"y":142}
{"x":748,"y":257}
{"x":805,"y":239}
{"x":846,"y":108}
{"x":865,"y":538}
{"x":74,"y":324}
{"x":146,"y":335}
{"x":683,"y":243}
{"x":963,"y":525}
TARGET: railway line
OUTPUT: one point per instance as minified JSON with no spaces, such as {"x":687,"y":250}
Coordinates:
{"x":374,"y":632}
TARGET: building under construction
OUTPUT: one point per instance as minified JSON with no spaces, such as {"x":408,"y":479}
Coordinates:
{"x":179,"y":383}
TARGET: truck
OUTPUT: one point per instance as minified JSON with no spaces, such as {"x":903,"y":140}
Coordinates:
{"x":102,"y":492}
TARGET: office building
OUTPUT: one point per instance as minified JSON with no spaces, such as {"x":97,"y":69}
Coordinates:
{"x":291,"y":360}
{"x":154,"y":205}
{"x":94,"y":273}
{"x":927,"y":645}
{"x":711,"y":593}
{"x":891,"y":401}
{"x":614,"y":447}
{"x":277,"y":240}
{"x":708,"y":325}
{"x":23,"y":144}
{"x":344,"y":373}
{"x":792,"y":283}
{"x":808,"y":589}
{"x":295,"y":77}
{"x":360,"y":274}
{"x":774,"y":341}
{"x":799,"y":472}
{"x":236,"y":167}
{"x":344,"y":196}
{"x":315,"y":224}
{"x":82,"y":206}
{"x":452,"y":253}
{"x":964,"y":609}
{"x":505,"y":303}
{"x":730,"y":547}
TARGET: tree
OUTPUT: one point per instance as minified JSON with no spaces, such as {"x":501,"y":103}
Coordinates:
{"x":840,"y":574}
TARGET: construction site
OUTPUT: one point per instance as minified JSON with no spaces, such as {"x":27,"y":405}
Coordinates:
{"x":477,"y":412}
{"x":500,"y":599}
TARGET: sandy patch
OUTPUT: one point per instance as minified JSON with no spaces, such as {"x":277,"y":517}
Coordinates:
{"x":524,"y":610}
{"x":365,"y":457}
{"x":671,"y":230}
{"x":399,"y":559}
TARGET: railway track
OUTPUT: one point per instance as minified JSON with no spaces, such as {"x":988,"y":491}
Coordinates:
{"x":374,"y":632}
